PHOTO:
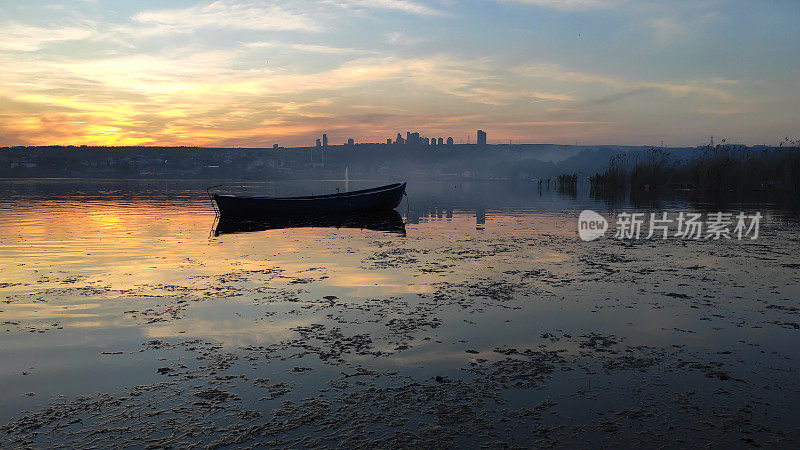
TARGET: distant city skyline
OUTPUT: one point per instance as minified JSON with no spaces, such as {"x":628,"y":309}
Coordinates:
{"x":256,"y":73}
{"x":412,"y":138}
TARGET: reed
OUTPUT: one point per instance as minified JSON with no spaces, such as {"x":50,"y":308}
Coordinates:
{"x":718,"y":169}
{"x":614,"y":179}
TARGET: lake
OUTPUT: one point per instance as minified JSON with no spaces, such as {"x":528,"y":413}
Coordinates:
{"x":127,"y":319}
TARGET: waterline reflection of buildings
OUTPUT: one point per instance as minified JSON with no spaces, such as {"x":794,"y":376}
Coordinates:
{"x":434,"y":213}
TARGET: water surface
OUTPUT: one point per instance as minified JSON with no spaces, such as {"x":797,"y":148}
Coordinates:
{"x":488,"y":323}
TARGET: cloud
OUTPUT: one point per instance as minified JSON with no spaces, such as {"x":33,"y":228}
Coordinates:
{"x":25,"y":38}
{"x":307,"y":48}
{"x":681,"y":24}
{"x":242,"y":14}
{"x":619,"y":96}
{"x":667,"y":28}
{"x":406,"y":6}
{"x":192,"y":90}
{"x":498,"y":95}
{"x":194,"y":96}
{"x":571,"y":5}
{"x":551,"y":123}
{"x":401,"y":39}
{"x":560,"y":73}
{"x":556,"y":73}
{"x":191,"y":96}
{"x":298,"y":15}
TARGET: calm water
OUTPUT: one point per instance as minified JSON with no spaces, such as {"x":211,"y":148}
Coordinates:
{"x":488,"y":322}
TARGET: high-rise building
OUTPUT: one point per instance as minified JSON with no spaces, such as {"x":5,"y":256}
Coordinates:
{"x":319,"y":143}
{"x":324,"y":140}
{"x":399,"y":139}
{"x":440,"y":141}
{"x":481,"y":137}
{"x":388,"y":141}
{"x":274,"y":146}
{"x":450,"y":141}
{"x":351,"y":142}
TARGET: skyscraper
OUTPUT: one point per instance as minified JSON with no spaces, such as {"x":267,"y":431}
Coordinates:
{"x":324,"y":140}
{"x":450,"y":141}
{"x":440,"y":141}
{"x":319,"y":144}
{"x":399,"y":139}
{"x":351,"y":142}
{"x":481,"y":137}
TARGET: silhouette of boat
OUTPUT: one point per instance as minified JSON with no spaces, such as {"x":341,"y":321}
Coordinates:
{"x":387,"y":221}
{"x":382,"y":198}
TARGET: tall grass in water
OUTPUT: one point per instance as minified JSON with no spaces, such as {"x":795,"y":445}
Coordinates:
{"x":633,"y":173}
{"x":790,"y":166}
{"x":652,"y":170}
{"x":567,"y":184}
{"x":730,"y":169}
{"x":613,"y":179}
{"x":723,"y":168}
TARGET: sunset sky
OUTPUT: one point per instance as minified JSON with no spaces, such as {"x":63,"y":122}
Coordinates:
{"x":254,"y":73}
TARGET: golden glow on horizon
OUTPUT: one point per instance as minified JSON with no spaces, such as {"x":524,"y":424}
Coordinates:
{"x":199,"y":100}
{"x":246,"y":73}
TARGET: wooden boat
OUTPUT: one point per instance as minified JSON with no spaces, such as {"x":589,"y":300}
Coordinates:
{"x":382,"y":198}
{"x":388,"y":221}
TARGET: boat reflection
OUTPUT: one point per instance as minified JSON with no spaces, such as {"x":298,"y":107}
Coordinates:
{"x":385,"y":221}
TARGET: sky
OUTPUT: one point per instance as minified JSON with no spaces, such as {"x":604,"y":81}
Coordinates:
{"x":253,"y":73}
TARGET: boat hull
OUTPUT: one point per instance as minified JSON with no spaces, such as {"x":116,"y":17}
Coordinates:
{"x":383,"y":198}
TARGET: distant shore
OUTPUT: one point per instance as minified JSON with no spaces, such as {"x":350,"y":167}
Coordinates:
{"x":362,"y":161}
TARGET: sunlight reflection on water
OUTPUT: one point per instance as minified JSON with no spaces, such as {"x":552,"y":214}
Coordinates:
{"x":93,"y":267}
